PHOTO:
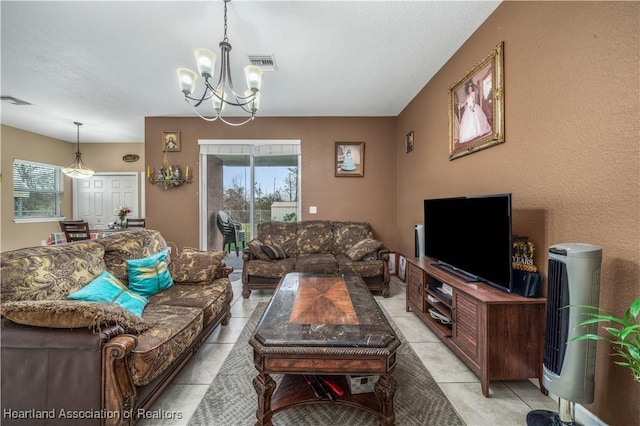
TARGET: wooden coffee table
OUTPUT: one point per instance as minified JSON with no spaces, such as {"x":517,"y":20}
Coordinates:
{"x":323,"y":325}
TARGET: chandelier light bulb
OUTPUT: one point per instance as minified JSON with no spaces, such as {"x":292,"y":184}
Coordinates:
{"x":218,"y":104}
{"x":254,"y":77}
{"x":206,"y":60}
{"x":255,"y":102}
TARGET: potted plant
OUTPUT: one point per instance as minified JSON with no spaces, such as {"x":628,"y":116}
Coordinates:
{"x":625,"y":332}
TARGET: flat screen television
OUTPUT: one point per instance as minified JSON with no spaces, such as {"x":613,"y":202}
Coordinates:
{"x":471,"y":236}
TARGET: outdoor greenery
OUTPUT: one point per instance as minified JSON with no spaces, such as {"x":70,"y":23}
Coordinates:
{"x":625,"y":335}
{"x":237,"y":198}
{"x":37,"y":190}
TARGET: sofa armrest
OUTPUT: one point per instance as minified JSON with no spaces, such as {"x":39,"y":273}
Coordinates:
{"x":39,"y":364}
{"x":224,"y":271}
{"x":120,"y":394}
{"x":247,"y":255}
{"x":383,"y":253}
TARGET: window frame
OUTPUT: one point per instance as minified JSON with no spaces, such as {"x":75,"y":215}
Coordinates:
{"x":59,"y":193}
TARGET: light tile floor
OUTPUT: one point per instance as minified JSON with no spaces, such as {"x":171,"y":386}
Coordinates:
{"x":508,"y":404}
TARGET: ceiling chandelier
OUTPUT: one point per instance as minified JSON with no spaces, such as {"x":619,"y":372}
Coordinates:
{"x":222,"y":93}
{"x":77,"y":169}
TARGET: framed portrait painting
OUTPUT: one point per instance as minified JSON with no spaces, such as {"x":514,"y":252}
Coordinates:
{"x":410,"y":141}
{"x":170,"y":141}
{"x":476,"y":107}
{"x":349,"y":159}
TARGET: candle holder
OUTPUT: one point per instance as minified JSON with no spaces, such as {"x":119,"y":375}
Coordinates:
{"x":169,"y":176}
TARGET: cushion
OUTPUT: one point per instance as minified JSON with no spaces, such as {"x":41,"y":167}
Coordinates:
{"x":159,"y":347}
{"x":72,"y":314}
{"x":314,"y":236}
{"x":270,"y":268}
{"x":273,"y":251}
{"x":282,"y":234}
{"x":347,"y":234}
{"x":319,"y":263}
{"x":363,"y":248}
{"x":193,"y":265}
{"x":149,"y":275}
{"x":122,"y":246}
{"x":211,"y":297}
{"x":255,"y":247}
{"x":362,"y":268}
{"x":49,"y":272}
{"x":107,"y":288}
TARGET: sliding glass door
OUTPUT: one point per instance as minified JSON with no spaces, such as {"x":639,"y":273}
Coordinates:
{"x":251,"y":181}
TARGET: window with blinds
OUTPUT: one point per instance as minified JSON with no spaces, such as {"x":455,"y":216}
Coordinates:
{"x":37,"y":190}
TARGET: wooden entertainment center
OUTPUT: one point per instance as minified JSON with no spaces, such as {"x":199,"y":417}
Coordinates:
{"x":498,"y":335}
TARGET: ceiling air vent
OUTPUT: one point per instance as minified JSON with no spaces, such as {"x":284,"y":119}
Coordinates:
{"x":13,"y":100}
{"x":265,"y":61}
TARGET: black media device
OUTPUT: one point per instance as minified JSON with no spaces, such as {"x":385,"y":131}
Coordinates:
{"x":471,"y":236}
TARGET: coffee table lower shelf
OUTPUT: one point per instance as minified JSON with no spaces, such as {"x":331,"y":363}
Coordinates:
{"x":293,"y":390}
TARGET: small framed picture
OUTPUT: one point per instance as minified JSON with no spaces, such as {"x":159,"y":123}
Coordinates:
{"x":170,"y":141}
{"x":392,"y":263}
{"x":410,"y":141}
{"x":402,"y":268}
{"x":349,"y":159}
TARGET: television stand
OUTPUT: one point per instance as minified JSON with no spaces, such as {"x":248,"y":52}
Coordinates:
{"x":498,"y":335}
{"x":463,"y":276}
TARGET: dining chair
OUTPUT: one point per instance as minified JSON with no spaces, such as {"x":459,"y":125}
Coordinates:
{"x":75,"y":230}
{"x":135,"y":223}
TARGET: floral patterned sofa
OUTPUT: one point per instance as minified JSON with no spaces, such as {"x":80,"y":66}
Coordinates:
{"x":317,"y":246}
{"x":89,"y":363}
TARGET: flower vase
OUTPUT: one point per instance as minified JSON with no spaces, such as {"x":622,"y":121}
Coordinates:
{"x":122,"y":224}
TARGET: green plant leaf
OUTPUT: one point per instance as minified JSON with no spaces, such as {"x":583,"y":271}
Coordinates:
{"x":634,"y":309}
{"x":625,"y":332}
{"x":587,"y":337}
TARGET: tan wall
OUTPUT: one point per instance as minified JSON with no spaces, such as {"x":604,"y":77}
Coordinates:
{"x":570,"y":158}
{"x":369,"y":198}
{"x":23,"y":145}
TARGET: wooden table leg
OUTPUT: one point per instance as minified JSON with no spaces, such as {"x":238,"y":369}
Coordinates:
{"x":264,"y":385}
{"x":385,"y":389}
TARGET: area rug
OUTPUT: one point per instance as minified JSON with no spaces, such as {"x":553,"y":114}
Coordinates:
{"x":231,"y":399}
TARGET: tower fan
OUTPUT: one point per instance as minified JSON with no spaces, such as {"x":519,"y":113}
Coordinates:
{"x":568,"y":368}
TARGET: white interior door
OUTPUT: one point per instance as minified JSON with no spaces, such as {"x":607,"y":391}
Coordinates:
{"x":96,"y":199}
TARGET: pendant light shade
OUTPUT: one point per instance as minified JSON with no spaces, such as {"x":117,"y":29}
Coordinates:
{"x":77,"y":169}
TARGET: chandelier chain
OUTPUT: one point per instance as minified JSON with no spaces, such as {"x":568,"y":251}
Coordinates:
{"x":222,"y":93}
{"x":225,"y":23}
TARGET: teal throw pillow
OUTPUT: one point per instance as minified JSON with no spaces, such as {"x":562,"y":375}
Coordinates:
{"x":149,"y":275}
{"x":107,"y":288}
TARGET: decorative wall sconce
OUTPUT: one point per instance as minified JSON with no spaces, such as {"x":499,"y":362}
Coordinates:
{"x":169,"y":176}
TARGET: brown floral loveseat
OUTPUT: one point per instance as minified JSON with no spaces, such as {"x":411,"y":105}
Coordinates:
{"x":67,"y":362}
{"x":317,"y":246}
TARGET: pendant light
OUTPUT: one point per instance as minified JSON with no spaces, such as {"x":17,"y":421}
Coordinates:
{"x":221,"y":93}
{"x":77,"y":169}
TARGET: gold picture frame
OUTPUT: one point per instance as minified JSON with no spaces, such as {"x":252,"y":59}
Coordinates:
{"x":349,"y":159}
{"x":476,"y":107}
{"x":170,"y":141}
{"x":410,"y":141}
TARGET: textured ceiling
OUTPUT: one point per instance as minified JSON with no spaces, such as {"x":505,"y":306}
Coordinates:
{"x":109,"y":64}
